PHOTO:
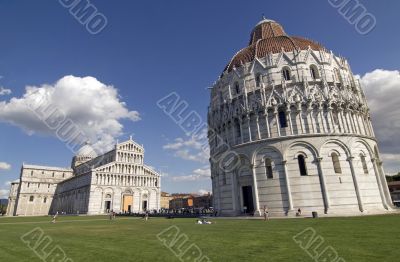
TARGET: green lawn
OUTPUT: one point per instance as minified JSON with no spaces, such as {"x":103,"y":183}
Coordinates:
{"x":374,"y":238}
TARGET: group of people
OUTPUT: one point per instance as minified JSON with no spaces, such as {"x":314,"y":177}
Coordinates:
{"x":112,"y":215}
{"x":203,"y":222}
{"x":266,"y":213}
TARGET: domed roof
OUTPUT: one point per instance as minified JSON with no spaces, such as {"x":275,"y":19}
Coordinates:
{"x":269,"y":37}
{"x":86,"y":151}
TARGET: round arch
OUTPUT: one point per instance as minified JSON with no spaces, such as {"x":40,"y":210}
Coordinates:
{"x":339,"y":143}
{"x":301,"y":143}
{"x":259,"y":149}
{"x":367,"y":146}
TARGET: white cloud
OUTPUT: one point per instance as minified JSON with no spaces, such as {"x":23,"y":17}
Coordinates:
{"x":5,"y":166}
{"x":193,"y":148}
{"x":95,"y":108}
{"x":382,"y":88}
{"x":197,"y":174}
{"x":203,"y":191}
{"x":4,"y":193}
{"x":391,"y":162}
{"x":7,"y":183}
{"x":4,"y":91}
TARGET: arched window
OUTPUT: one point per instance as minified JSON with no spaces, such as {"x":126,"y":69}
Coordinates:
{"x":302,"y":165}
{"x":268,"y":168}
{"x":286,"y":73}
{"x":282,"y":119}
{"x":32,"y":173}
{"x":31,"y":198}
{"x":364,"y":164}
{"x":336,"y":163}
{"x":258,"y":80}
{"x":45,"y":200}
{"x":237,"y":88}
{"x":314,"y":72}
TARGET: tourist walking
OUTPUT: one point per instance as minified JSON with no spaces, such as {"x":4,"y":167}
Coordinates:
{"x":266,"y":215}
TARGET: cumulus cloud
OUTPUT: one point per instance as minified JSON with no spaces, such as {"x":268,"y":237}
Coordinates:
{"x":192,"y":149}
{"x":382,"y":88}
{"x":4,"y":91}
{"x":94,"y":108}
{"x":4,"y":193}
{"x":196,"y":175}
{"x":5,"y":166}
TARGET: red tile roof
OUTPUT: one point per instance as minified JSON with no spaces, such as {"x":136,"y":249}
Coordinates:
{"x":269,"y":37}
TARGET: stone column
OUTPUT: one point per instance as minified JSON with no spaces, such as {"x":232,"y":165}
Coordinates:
{"x":355,"y":181}
{"x":255,"y":185}
{"x":267,"y":124}
{"x":311,"y":117}
{"x":233,"y":183}
{"x":258,"y":128}
{"x":378,"y":180}
{"x":321,"y":116}
{"x":361,"y":130}
{"x":324,"y":188}
{"x":289,"y":116}
{"x":288,"y":189}
{"x":278,"y":127}
{"x":340,"y":118}
{"x":300,"y":114}
{"x":332,"y":121}
{"x":363,"y":124}
{"x":385,"y":186}
{"x":249,"y":127}
{"x":370,"y":125}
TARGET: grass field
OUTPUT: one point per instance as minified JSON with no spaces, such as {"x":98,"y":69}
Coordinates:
{"x":374,"y":238}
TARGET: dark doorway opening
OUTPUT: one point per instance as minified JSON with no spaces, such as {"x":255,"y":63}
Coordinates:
{"x":144,"y":205}
{"x":248,"y":204}
{"x":107,"y":206}
{"x":129,"y":208}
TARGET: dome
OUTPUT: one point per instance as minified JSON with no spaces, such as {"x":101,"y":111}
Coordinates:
{"x":267,"y":37}
{"x":86,"y":151}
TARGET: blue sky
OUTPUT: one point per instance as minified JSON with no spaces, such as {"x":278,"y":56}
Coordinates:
{"x":151,"y":48}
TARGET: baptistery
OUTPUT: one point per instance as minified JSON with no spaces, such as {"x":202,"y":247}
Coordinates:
{"x":298,"y":122}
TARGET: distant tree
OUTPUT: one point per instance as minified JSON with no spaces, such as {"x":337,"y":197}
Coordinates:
{"x":393,"y":178}
{"x":3,"y":209}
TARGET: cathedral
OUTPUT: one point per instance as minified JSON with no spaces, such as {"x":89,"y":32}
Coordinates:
{"x":116,"y":181}
{"x":298,"y":122}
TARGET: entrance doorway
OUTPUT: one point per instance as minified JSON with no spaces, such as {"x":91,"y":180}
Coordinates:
{"x":248,"y":205}
{"x":144,"y":207}
{"x":127,"y":203}
{"x":107,"y":206}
